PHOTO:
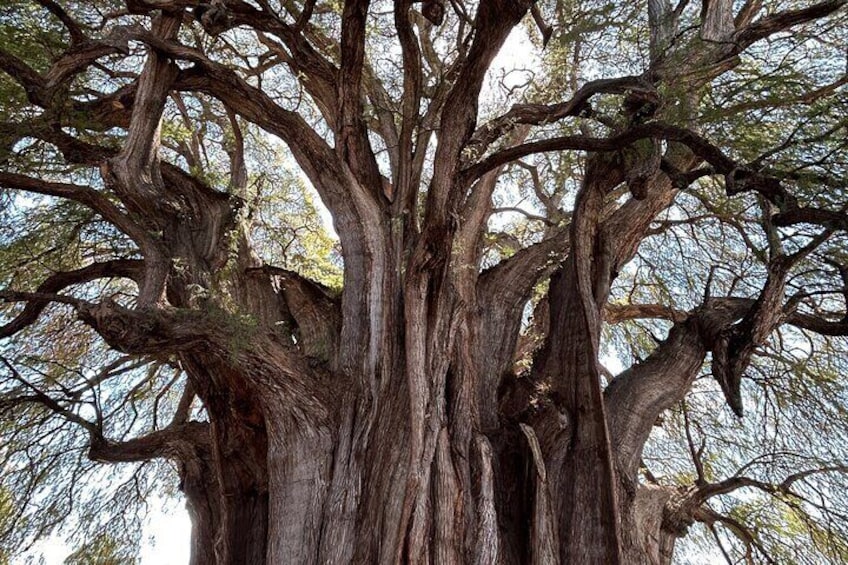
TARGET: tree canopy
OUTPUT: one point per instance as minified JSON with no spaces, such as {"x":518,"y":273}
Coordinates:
{"x":372,"y":212}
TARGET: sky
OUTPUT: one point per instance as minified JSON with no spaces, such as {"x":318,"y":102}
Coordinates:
{"x":166,"y":536}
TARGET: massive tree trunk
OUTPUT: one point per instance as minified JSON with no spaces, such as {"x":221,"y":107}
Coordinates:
{"x":389,"y":425}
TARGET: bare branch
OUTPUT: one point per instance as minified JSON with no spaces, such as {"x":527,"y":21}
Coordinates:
{"x":536,"y":114}
{"x":780,"y":21}
{"x":177,"y":441}
{"x":74,"y":29}
{"x":615,"y":313}
{"x":48,"y":402}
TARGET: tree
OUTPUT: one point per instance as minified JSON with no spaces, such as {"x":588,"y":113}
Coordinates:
{"x":665,"y":182}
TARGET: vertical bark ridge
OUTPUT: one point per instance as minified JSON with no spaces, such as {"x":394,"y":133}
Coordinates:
{"x":544,"y":538}
{"x":584,"y":487}
{"x":239,"y":446}
{"x":488,"y":542}
{"x":134,"y":174}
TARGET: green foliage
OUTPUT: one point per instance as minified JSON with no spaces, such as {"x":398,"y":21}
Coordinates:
{"x":781,"y":109}
{"x":30,"y":33}
{"x":102,"y":550}
{"x":285,"y":224}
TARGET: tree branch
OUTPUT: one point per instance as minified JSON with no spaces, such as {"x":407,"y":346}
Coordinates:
{"x":410,"y":103}
{"x":733,"y":348}
{"x":352,"y":142}
{"x":780,"y":21}
{"x":494,"y":21}
{"x":45,"y":400}
{"x":536,"y":114}
{"x":315,"y":310}
{"x":87,"y":196}
{"x":129,"y":268}
{"x":179,"y":441}
{"x":74,"y":29}
{"x":636,"y":397}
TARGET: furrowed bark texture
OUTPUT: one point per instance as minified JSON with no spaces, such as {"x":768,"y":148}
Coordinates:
{"x":390,"y":424}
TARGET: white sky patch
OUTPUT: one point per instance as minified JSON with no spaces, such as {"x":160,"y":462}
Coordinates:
{"x":166,"y":539}
{"x":169,"y":533}
{"x":516,"y":60}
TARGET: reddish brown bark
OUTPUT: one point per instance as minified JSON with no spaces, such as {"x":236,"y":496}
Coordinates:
{"x":388,"y":426}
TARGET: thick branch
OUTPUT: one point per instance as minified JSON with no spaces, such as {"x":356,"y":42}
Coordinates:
{"x":717,"y":20}
{"x":495,"y":19}
{"x":317,"y":159}
{"x":48,"y":89}
{"x":410,"y":104}
{"x":780,"y":21}
{"x":698,"y":144}
{"x":636,"y":397}
{"x":74,"y":29}
{"x":179,"y":442}
{"x":351,"y":133}
{"x":315,"y":310}
{"x":825,"y":218}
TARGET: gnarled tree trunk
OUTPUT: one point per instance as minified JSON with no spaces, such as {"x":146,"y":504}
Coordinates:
{"x":389,"y":425}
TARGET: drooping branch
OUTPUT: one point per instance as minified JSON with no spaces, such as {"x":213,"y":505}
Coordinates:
{"x":733,"y":348}
{"x":182,"y":441}
{"x":692,"y":505}
{"x":44,"y":399}
{"x":128,"y":268}
{"x":636,"y":397}
{"x":640,"y":394}
{"x":731,"y":484}
{"x":710,"y":517}
{"x":85,"y":195}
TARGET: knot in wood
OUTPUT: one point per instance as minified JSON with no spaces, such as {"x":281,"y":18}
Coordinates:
{"x":434,"y":11}
{"x":214,"y":17}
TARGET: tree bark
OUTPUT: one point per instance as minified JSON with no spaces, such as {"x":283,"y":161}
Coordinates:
{"x":388,"y":425}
